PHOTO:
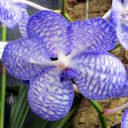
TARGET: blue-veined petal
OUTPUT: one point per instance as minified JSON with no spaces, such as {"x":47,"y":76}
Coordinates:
{"x":18,"y":57}
{"x":119,"y":13}
{"x":113,"y":17}
{"x":49,"y":97}
{"x":124,"y":93}
{"x":10,"y":21}
{"x":119,"y":18}
{"x":23,"y":23}
{"x":94,"y":34}
{"x":100,"y":75}
{"x":115,"y":12}
{"x":122,"y":34}
{"x":51,"y":27}
{"x":10,"y":14}
{"x":124,"y":122}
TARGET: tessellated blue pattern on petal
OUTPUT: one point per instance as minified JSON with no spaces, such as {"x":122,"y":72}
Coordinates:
{"x":51,"y":27}
{"x":94,"y":34}
{"x":124,"y":93}
{"x":119,"y":18}
{"x":18,"y":55}
{"x":23,"y":23}
{"x":122,"y":33}
{"x":124,"y":123}
{"x":49,"y":97}
{"x":10,"y":13}
{"x":101,"y":75}
{"x":115,"y":12}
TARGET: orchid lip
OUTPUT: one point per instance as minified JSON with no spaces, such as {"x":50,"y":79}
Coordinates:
{"x":124,"y":16}
{"x":62,"y":65}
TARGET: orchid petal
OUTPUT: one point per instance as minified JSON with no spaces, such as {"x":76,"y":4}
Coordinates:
{"x":17,"y":57}
{"x":122,"y":34}
{"x":10,"y":14}
{"x":92,"y":34}
{"x":113,"y":17}
{"x":115,"y":12}
{"x":124,"y":122}
{"x":49,"y":97}
{"x":119,"y":18}
{"x":124,"y":93}
{"x":51,"y":27}
{"x":23,"y":23}
{"x":100,"y":75}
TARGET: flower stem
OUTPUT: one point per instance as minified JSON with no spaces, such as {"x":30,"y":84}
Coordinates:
{"x":64,"y":12}
{"x":87,"y":8}
{"x":99,"y":109}
{"x":34,"y":5}
{"x":3,"y":83}
{"x":111,"y":111}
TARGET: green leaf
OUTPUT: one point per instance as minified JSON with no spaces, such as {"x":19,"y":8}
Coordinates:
{"x":37,"y":122}
{"x":20,"y":109}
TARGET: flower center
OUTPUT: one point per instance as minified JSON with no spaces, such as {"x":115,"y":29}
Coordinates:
{"x":63,"y":61}
{"x":62,"y":65}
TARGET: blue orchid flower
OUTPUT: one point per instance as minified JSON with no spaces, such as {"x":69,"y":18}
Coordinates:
{"x":119,"y":18}
{"x":12,"y":14}
{"x":55,"y":52}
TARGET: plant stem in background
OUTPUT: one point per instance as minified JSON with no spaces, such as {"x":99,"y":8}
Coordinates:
{"x":34,"y":5}
{"x":99,"y":109}
{"x":3,"y":84}
{"x":114,"y":110}
{"x":64,"y":12}
{"x":87,"y":8}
